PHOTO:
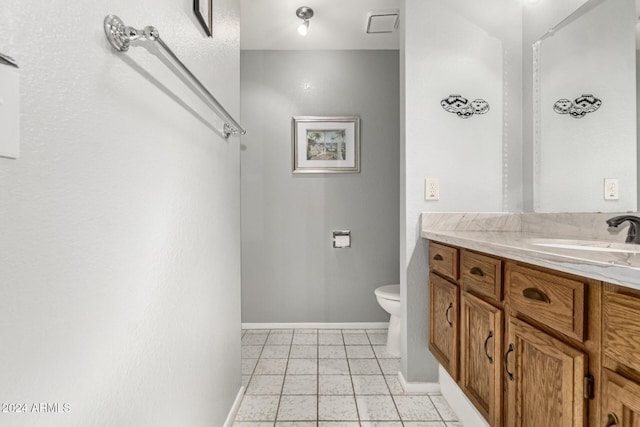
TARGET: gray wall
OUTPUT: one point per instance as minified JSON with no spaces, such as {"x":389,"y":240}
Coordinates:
{"x":290,"y":272}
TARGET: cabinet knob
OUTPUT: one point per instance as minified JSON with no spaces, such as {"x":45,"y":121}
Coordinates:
{"x":505,"y":362}
{"x":477,"y":272}
{"x":438,"y":257}
{"x":446,"y":314}
{"x":536,"y":295}
{"x":612,"y":420}
{"x":486,"y":343}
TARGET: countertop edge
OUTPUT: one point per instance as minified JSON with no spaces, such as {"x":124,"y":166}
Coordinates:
{"x":511,"y":246}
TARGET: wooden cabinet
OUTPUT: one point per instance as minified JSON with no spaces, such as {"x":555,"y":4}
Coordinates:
{"x":621,"y":337}
{"x":481,"y":326}
{"x":545,"y":379}
{"x":620,"y":401}
{"x":525,"y":343}
{"x":443,"y":323}
{"x":621,"y":357}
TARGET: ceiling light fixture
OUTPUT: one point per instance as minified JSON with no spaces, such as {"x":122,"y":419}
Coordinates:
{"x":305,"y":13}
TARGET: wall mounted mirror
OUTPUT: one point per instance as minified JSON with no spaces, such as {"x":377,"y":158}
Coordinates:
{"x":584,"y":94}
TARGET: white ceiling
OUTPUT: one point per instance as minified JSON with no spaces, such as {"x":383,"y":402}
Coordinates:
{"x":336,"y":24}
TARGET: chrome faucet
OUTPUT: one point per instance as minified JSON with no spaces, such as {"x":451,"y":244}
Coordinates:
{"x":634,"y":227}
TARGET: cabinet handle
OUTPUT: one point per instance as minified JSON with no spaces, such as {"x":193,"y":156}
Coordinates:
{"x":477,"y":272}
{"x":536,"y":295}
{"x":612,"y":420}
{"x":505,"y":362}
{"x":446,"y":314}
{"x":486,"y":343}
{"x":438,"y":257}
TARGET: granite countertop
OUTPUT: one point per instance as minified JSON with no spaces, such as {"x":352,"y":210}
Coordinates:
{"x":515,"y":240}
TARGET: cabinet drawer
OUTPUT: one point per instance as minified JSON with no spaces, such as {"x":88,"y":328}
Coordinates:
{"x":481,"y":274}
{"x":444,"y":260}
{"x":553,"y":300}
{"x":621,"y":335}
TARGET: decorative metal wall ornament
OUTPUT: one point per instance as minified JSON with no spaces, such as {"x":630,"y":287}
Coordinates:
{"x":461,"y":106}
{"x":579,"y":107}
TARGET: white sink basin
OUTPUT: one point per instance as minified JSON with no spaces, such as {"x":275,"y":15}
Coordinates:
{"x":586,"y":245}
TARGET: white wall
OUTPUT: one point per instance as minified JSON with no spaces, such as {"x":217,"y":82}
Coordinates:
{"x":573,"y":156}
{"x":537,"y":18}
{"x":119,"y":224}
{"x":455,"y":47}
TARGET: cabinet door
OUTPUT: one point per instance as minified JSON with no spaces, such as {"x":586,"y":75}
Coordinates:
{"x":480,"y":356}
{"x":544,"y":379}
{"x":443,"y":323}
{"x":620,"y":401}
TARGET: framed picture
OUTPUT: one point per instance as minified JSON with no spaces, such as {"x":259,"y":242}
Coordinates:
{"x":202,"y":9}
{"x":326,"y":144}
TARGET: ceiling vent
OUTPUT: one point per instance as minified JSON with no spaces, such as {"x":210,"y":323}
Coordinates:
{"x":382,"y":21}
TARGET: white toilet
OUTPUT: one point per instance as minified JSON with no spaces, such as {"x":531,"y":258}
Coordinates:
{"x":389,"y":299}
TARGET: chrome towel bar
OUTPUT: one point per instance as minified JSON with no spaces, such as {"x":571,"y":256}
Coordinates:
{"x":120,"y":36}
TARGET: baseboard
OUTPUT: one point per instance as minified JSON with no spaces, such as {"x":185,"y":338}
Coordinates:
{"x":412,"y":387}
{"x":467,"y":414}
{"x":234,"y":408}
{"x":316,"y":325}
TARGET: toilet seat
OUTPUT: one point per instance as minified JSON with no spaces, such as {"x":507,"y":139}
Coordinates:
{"x":390,"y":292}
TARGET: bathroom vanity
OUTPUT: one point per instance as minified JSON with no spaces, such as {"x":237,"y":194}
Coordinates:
{"x":535,"y":335}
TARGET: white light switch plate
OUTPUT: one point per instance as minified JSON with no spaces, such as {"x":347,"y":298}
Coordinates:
{"x":9,"y":111}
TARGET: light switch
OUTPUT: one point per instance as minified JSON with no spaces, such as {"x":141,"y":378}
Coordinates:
{"x":9,"y":110}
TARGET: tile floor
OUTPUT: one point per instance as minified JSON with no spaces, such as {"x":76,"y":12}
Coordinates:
{"x":329,"y":378}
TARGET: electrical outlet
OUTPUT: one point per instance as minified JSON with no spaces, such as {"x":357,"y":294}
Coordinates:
{"x":611,"y":189}
{"x":431,"y":189}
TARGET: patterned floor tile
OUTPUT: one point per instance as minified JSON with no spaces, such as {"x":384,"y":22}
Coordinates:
{"x":377,"y":408}
{"x":258,"y":408}
{"x":369,"y":384}
{"x":298,"y":408}
{"x":300,"y":384}
{"x":275,"y":352}
{"x":339,"y":408}
{"x":333,"y":367}
{"x":302,"y":367}
{"x":330,"y":339}
{"x":279,"y":339}
{"x":254,"y":339}
{"x":334,"y":385}
{"x":305,"y":339}
{"x":360,"y":352}
{"x":248,"y":365}
{"x":364,"y":367}
{"x":390,"y":366}
{"x":330,"y":378}
{"x":416,"y":408}
{"x":443,"y":408}
{"x":356,"y":339}
{"x":271,"y":367}
{"x":331,"y":352}
{"x":251,"y":351}
{"x":265,"y":384}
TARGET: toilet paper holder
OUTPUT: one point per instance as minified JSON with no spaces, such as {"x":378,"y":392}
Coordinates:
{"x":341,"y":239}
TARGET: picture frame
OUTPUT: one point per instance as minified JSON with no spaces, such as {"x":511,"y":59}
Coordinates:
{"x":202,"y":9}
{"x":325,"y":144}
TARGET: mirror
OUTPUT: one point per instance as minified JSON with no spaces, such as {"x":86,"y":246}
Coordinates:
{"x":584,"y":95}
